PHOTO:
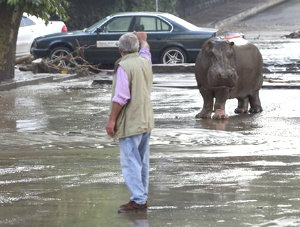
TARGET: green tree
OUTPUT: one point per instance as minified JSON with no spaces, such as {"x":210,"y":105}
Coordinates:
{"x":10,"y":16}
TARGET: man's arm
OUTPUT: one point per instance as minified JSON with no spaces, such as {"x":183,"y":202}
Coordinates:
{"x":121,"y":97}
{"x":144,"y":46}
{"x":115,"y":111}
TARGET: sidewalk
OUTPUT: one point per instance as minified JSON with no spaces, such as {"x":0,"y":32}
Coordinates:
{"x":229,"y":12}
{"x":29,"y":78}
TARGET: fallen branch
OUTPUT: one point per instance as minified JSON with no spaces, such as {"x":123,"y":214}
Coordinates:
{"x":293,"y":35}
{"x":27,"y":59}
{"x":72,"y":63}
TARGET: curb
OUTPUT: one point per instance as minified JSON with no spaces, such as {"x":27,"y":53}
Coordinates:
{"x":6,"y":86}
{"x":247,"y":13}
{"x":179,"y":68}
{"x":16,"y":84}
{"x":266,"y":86}
{"x":106,"y":77}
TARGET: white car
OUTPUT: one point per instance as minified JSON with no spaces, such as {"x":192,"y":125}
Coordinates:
{"x":32,"y":27}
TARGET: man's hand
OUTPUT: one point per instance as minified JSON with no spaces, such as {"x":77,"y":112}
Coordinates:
{"x":110,"y":128}
{"x":111,"y":123}
{"x":142,"y":37}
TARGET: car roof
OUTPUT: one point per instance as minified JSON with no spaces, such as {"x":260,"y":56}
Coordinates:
{"x":139,"y":13}
{"x":179,"y":21}
{"x":34,"y":18}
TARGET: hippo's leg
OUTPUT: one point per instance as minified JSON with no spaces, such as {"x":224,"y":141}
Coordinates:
{"x":220,"y":114}
{"x":242,"y":105}
{"x":219,"y":107}
{"x":255,"y":105}
{"x":208,"y":102}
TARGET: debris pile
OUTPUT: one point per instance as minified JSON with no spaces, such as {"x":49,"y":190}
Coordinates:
{"x":293,"y":35}
{"x":72,"y":63}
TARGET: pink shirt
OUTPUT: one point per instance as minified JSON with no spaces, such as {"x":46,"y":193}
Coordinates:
{"x":122,"y":91}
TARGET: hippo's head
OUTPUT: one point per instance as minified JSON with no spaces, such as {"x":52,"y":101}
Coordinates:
{"x":221,"y":60}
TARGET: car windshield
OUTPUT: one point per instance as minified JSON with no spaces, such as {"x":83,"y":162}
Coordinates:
{"x":96,"y":25}
{"x":182,"y":22}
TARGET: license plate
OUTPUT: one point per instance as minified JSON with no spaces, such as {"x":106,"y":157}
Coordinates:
{"x":108,"y":43}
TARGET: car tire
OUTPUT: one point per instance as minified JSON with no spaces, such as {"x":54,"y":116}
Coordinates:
{"x":173,"y":55}
{"x":60,"y":52}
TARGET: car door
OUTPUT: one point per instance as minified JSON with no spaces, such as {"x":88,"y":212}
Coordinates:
{"x":105,"y":40}
{"x":158,"y":32}
{"x":25,"y":36}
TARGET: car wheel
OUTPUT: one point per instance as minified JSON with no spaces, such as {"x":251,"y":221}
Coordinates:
{"x":59,"y":54}
{"x":173,"y":55}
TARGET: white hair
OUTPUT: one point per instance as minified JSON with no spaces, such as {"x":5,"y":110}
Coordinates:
{"x":129,"y":43}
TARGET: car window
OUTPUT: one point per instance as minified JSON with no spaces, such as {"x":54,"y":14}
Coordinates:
{"x":119,"y":24}
{"x":151,"y":24}
{"x":182,"y":22}
{"x":96,"y":25}
{"x":26,"y":22}
{"x":162,"y":26}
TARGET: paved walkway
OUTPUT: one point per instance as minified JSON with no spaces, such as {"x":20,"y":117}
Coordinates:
{"x":230,"y":11}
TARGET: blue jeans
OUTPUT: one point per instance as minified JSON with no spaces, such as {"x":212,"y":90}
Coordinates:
{"x":135,"y":153}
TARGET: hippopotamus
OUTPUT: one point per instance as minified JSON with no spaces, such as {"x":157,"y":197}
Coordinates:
{"x":227,"y":69}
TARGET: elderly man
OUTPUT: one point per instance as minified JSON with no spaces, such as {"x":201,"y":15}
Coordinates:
{"x":131,"y":116}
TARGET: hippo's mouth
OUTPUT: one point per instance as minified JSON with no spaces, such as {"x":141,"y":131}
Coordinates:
{"x":223,"y":83}
{"x":217,"y":78}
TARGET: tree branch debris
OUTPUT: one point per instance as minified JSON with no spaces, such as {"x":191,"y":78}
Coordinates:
{"x":73,"y":63}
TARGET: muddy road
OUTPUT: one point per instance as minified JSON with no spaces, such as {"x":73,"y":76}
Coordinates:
{"x":58,"y":167}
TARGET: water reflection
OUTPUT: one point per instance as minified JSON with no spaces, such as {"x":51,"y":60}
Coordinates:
{"x":7,"y":107}
{"x":31,"y":125}
{"x":242,"y":122}
{"x":137,"y":219}
{"x":213,"y":124}
{"x":22,"y":113}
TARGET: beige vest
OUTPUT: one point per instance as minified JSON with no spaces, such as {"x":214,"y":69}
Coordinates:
{"x":136,"y":116}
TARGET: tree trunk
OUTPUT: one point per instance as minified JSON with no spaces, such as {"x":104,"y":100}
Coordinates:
{"x":10,"y":17}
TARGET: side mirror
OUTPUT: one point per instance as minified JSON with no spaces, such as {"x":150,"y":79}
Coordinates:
{"x":99,"y":30}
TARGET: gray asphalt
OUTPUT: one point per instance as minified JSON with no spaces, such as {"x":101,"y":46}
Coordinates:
{"x":235,"y":10}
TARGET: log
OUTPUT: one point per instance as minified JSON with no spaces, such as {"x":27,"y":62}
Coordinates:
{"x":27,"y":59}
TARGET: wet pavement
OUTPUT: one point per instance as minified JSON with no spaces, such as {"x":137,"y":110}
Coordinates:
{"x":58,"y":167}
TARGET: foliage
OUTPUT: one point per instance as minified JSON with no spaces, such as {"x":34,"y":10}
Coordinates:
{"x":85,"y":13}
{"x":163,"y":6}
{"x":10,"y":16}
{"x":41,"y":8}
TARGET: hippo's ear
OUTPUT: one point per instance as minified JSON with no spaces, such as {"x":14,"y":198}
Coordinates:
{"x":209,"y":43}
{"x":208,"y":46}
{"x":231,"y":43}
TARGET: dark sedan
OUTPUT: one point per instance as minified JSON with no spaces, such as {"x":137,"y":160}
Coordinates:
{"x":172,"y":39}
